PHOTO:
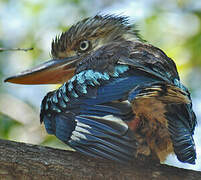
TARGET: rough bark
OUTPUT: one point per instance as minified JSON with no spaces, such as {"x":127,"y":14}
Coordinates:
{"x":25,"y":161}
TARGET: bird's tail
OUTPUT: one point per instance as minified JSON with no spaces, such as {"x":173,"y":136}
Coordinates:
{"x":181,"y":120}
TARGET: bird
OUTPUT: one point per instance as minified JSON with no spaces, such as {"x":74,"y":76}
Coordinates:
{"x":120,"y":97}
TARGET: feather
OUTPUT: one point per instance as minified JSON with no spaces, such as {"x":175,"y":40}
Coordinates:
{"x":104,"y":138}
{"x":170,"y":106}
{"x":181,"y":128}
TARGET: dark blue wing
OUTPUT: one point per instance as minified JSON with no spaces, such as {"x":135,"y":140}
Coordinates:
{"x":93,"y":124}
{"x":102,"y":135}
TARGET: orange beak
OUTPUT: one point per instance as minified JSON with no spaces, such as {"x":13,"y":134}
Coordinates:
{"x":55,"y":71}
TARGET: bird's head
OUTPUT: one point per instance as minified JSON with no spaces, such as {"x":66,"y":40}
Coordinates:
{"x":74,"y":45}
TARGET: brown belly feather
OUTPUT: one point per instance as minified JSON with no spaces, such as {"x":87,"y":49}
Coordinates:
{"x":150,"y":128}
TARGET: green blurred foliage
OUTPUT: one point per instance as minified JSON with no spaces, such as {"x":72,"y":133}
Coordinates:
{"x":194,"y":44}
{"x":6,"y":125}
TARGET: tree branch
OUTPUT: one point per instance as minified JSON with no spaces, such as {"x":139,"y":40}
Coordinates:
{"x":15,"y":49}
{"x":25,"y":161}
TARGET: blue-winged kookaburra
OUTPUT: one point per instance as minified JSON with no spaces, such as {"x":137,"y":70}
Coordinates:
{"x":121,"y":97}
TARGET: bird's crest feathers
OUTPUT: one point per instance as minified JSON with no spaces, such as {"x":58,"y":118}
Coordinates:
{"x":108,"y":28}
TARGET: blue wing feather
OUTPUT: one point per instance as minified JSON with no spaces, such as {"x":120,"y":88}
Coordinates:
{"x":84,"y":123}
{"x":104,"y":137}
{"x":181,"y":132}
{"x":118,"y":89}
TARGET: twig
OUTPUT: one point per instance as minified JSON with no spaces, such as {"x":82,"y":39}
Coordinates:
{"x":15,"y":49}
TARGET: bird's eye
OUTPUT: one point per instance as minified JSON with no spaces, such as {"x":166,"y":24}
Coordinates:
{"x":84,"y":45}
